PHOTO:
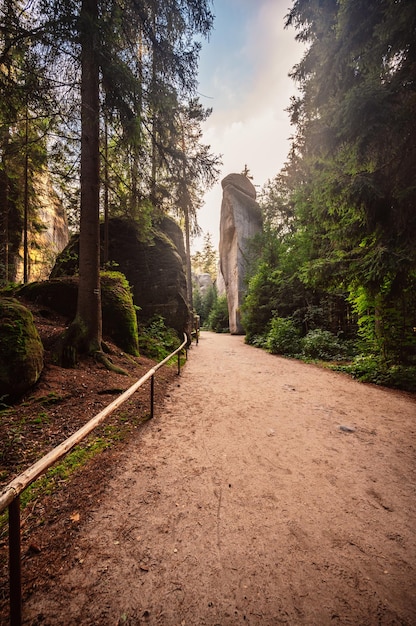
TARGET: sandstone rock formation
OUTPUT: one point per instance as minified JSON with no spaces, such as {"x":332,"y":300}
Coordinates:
{"x":202,"y":282}
{"x":49,"y":239}
{"x":169,"y":227}
{"x":220,"y":283}
{"x":240,"y":220}
{"x":21,"y":354}
{"x":153,"y":269}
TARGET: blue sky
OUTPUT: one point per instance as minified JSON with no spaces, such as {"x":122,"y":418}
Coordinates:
{"x":243,"y":76}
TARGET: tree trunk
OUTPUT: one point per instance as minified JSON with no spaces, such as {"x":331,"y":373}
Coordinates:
{"x":85,"y":332}
{"x":4,"y":225}
{"x":26,"y":204}
{"x":106,"y":194}
{"x":188,"y":259}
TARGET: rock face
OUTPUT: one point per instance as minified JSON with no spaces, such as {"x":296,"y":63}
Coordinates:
{"x":202,"y":282}
{"x":21,"y":350}
{"x":240,"y":221}
{"x":153,"y":269}
{"x":47,"y":242}
{"x":170,"y":228}
{"x":220,"y":284}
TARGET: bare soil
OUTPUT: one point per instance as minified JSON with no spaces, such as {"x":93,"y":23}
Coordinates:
{"x":264,"y":491}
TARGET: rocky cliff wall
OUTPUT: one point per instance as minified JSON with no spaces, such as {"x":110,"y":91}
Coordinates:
{"x":47,"y":240}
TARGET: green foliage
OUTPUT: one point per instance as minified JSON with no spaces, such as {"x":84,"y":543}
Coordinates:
{"x":371,"y":368}
{"x":338,"y":245}
{"x":218,"y":319}
{"x":322,"y":344}
{"x":387,"y":320}
{"x":275,"y":288}
{"x":261,"y":300}
{"x":156,"y":341}
{"x":283,"y":337}
{"x":350,"y":175}
{"x":205,"y":261}
{"x":204,"y":303}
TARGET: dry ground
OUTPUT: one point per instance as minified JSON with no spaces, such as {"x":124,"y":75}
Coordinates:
{"x":63,"y":401}
{"x":265,"y":491}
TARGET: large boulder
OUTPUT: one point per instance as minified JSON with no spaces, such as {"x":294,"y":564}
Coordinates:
{"x":154,"y":269}
{"x":169,"y":227}
{"x":240,"y":221}
{"x":21,"y":350}
{"x":202,"y":282}
{"x":119,"y":315}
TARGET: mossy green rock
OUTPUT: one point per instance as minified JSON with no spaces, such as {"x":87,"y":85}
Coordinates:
{"x":154,"y":269}
{"x":119,"y":314}
{"x":21,"y":350}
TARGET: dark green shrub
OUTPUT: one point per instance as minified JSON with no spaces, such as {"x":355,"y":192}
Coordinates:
{"x":283,"y":337}
{"x":258,"y":341}
{"x":218,"y":319}
{"x":322,"y":344}
{"x":370,"y":368}
{"x":156,"y":340}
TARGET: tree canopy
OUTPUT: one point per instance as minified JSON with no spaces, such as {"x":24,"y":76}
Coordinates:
{"x":115,"y":84}
{"x":343,"y":207}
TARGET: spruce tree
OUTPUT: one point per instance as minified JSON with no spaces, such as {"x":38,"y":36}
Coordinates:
{"x":354,"y":153}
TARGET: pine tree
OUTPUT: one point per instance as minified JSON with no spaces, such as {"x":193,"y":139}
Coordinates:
{"x":85,"y":332}
{"x":354,"y":150}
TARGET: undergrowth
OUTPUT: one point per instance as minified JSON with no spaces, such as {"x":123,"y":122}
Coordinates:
{"x":156,"y":340}
{"x":372,"y":369}
{"x":106,"y":436}
{"x":321,"y":346}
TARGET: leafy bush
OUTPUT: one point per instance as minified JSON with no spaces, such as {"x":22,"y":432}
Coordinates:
{"x":373,"y":369}
{"x":156,"y":341}
{"x":258,"y":341}
{"x":260,"y":301}
{"x":283,"y":337}
{"x":322,"y":344}
{"x":218,"y":319}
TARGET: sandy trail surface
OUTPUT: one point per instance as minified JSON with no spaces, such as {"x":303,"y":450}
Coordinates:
{"x":265,"y":491}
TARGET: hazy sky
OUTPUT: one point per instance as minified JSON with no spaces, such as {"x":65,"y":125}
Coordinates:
{"x":243,"y":76}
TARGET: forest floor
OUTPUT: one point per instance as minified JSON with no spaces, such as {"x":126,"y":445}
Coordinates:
{"x":264,"y":491}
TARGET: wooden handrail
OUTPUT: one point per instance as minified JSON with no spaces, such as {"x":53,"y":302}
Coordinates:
{"x":10,"y":495}
{"x":26,"y":478}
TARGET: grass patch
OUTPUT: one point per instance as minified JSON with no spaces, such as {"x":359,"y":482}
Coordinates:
{"x":50,"y":399}
{"x":106,"y":436}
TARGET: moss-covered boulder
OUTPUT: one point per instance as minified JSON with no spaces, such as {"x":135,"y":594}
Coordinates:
{"x":21,"y":350}
{"x":154,"y":269}
{"x":119,"y":314}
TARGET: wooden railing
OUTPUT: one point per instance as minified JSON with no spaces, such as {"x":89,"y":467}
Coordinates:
{"x":10,"y":496}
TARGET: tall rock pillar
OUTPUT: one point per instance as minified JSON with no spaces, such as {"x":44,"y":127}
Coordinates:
{"x":240,"y":220}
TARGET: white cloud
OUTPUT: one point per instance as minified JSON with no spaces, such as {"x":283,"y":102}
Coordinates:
{"x":246,"y":74}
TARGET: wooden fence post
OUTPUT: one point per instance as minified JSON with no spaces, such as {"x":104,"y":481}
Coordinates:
{"x":15,"y":566}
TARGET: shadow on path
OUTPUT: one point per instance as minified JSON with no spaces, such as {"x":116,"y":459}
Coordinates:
{"x":265,"y":491}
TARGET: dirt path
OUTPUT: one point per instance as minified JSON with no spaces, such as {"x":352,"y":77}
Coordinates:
{"x":266,"y":491}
